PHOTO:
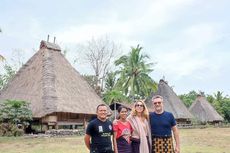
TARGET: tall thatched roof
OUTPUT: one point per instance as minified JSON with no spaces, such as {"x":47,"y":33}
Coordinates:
{"x":204,"y":111}
{"x":51,"y":84}
{"x":172,"y":102}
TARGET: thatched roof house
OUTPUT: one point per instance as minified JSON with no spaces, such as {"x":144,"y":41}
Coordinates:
{"x":204,"y":111}
{"x":56,"y":91}
{"x":172,"y":103}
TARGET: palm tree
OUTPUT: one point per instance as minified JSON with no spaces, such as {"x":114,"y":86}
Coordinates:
{"x":110,"y":81}
{"x":134,"y":72}
{"x":219,"y":96}
{"x":114,"y":95}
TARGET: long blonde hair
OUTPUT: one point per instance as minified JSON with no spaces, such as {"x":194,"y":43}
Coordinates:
{"x":145,"y":112}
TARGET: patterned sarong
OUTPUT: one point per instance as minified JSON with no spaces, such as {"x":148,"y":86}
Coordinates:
{"x":162,"y":144}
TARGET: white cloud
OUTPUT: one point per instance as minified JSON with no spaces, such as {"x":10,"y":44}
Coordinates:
{"x":183,"y":33}
{"x":162,"y":12}
{"x":202,"y":34}
{"x":77,"y":34}
{"x":193,"y":57}
{"x":155,"y":15}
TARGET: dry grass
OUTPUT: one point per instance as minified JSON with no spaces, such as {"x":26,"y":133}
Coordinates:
{"x":210,"y":140}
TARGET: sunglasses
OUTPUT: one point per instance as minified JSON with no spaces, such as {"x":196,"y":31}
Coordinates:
{"x":137,"y":105}
{"x":157,"y":103}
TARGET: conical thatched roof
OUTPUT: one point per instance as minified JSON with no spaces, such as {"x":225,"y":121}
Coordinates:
{"x":204,"y":111}
{"x":172,"y":102}
{"x":51,"y":84}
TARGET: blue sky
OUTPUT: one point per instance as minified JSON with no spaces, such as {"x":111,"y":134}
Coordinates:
{"x":189,"y":39}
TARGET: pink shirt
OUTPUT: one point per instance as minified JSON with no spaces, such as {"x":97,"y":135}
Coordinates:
{"x":123,"y":129}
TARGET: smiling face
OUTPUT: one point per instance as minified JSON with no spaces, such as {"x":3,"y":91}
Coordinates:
{"x":139,"y":107}
{"x":102,"y":112}
{"x":158,"y":105}
{"x":123,"y":113}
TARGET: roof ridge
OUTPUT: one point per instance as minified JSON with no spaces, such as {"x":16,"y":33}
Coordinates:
{"x":49,"y":45}
{"x":48,"y":82}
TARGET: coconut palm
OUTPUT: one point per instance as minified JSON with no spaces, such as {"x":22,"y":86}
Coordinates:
{"x":134,"y":72}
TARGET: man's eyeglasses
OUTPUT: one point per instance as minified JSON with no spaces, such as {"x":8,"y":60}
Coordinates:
{"x":157,"y":103}
{"x":137,"y":105}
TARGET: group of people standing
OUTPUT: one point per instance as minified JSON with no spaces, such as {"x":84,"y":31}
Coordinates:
{"x":140,"y":132}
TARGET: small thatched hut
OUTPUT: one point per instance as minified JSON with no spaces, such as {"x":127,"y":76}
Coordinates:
{"x":172,"y":103}
{"x":204,"y":111}
{"x":57,"y":93}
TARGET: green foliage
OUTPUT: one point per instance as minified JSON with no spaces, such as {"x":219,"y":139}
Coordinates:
{"x":220,"y":102}
{"x":110,"y":81}
{"x":114,"y":95}
{"x":189,"y":98}
{"x":9,"y":73}
{"x":225,"y":108}
{"x":13,"y":113}
{"x":134,"y":79}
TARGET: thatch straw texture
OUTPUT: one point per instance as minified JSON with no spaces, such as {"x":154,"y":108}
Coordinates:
{"x":204,"y":111}
{"x":51,"y":84}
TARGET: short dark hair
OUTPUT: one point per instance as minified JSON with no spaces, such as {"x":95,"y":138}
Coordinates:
{"x":100,"y":106}
{"x":157,"y":96}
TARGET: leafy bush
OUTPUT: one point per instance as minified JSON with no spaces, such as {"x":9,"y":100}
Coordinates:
{"x":12,"y":114}
{"x":8,"y":129}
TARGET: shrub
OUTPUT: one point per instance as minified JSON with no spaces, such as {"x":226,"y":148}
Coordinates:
{"x":12,"y":114}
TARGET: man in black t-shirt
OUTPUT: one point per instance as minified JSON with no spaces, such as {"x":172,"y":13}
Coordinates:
{"x":99,"y":132}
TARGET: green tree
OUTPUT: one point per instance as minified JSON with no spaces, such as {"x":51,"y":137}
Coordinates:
{"x":189,"y":98}
{"x":110,"y":81}
{"x":222,"y":104}
{"x":114,"y":95}
{"x":211,"y":99}
{"x":12,"y":114}
{"x":134,"y":72}
{"x":15,"y":112}
{"x":226,"y":109}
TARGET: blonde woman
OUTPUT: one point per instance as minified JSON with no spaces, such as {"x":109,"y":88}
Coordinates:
{"x":141,"y":135}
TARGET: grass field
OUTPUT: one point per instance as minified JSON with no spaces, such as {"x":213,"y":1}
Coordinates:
{"x":209,"y":140}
